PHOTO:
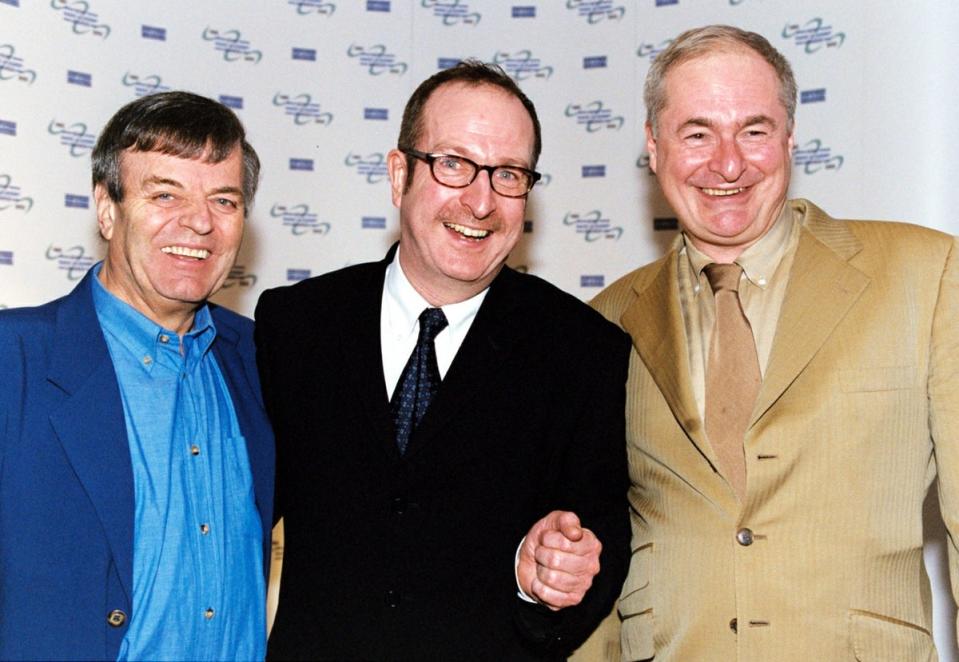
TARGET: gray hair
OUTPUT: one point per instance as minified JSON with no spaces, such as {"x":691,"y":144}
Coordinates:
{"x":712,"y":39}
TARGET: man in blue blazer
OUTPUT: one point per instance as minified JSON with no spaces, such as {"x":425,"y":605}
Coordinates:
{"x":136,"y":461}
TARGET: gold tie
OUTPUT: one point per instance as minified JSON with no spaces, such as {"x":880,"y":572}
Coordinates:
{"x":732,"y":376}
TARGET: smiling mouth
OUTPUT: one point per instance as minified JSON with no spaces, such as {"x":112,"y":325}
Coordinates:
{"x":183,"y":251}
{"x":722,"y":192}
{"x":471,"y":233}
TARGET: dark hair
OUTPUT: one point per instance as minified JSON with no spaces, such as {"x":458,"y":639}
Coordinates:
{"x":715,"y":39}
{"x":180,"y":124}
{"x":469,"y":72}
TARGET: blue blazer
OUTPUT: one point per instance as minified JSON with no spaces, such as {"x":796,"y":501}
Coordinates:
{"x":66,"y":481}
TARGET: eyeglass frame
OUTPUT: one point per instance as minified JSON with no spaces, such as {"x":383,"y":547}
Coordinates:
{"x":430,"y":157}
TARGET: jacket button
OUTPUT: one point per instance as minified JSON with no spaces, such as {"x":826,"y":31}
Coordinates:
{"x":116,"y":618}
{"x":734,"y":625}
{"x":744,"y":537}
{"x":393,"y":598}
{"x":398,"y":506}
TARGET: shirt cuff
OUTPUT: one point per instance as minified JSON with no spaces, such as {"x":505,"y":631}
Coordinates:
{"x":520,"y":593}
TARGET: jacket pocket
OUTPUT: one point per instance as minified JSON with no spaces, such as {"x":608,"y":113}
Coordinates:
{"x":635,"y":607}
{"x":878,"y":638}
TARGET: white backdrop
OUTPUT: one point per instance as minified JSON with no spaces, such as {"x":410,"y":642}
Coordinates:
{"x":320,"y":86}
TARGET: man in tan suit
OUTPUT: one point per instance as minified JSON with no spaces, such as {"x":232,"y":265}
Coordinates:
{"x":800,"y":539}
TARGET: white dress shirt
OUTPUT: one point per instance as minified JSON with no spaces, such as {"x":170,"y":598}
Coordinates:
{"x":400,"y":325}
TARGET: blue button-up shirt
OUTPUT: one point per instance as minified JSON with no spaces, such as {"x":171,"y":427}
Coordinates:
{"x":198,"y":586}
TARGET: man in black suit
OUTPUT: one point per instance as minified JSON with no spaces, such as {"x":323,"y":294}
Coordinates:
{"x":494,"y":525}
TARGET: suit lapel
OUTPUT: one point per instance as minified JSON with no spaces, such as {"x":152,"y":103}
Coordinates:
{"x":90,"y":423}
{"x":655,"y":323}
{"x":822,"y":287}
{"x":361,"y":354}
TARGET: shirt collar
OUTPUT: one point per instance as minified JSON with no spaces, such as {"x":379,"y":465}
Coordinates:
{"x":143,"y":337}
{"x":759,"y":261}
{"x":404,"y":304}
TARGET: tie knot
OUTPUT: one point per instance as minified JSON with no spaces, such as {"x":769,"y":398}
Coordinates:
{"x":432,"y":321}
{"x":723,"y":276}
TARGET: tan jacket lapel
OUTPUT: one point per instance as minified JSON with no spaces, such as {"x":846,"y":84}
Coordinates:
{"x":654,"y":321}
{"x":822,"y":288}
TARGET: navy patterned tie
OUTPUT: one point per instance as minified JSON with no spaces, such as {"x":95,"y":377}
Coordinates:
{"x":420,"y":379}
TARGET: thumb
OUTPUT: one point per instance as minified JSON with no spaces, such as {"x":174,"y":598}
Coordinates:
{"x":570,"y":526}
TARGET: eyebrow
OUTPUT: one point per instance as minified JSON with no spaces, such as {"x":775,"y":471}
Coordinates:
{"x":166,"y":181}
{"x":752,"y":120}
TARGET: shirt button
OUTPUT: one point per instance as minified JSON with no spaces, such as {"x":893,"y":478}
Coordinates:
{"x":147,"y":360}
{"x":744,"y":537}
{"x":204,"y":529}
{"x":393,"y":598}
{"x":194,"y":450}
{"x":761,"y":281}
{"x":734,"y":625}
{"x":116,"y":618}
{"x":399,"y":505}
{"x":208,"y":614}
{"x":164,"y":338}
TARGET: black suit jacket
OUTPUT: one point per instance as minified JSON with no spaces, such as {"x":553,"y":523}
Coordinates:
{"x":412,"y":557}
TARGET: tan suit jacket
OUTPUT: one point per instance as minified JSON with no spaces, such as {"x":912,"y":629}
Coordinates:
{"x":858,"y":413}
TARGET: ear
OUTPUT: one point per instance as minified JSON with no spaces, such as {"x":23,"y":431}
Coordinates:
{"x":791,"y":141}
{"x":107,"y":212}
{"x":651,"y":146}
{"x":396,"y":166}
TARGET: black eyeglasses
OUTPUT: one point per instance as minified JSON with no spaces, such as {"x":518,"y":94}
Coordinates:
{"x":459,"y":172}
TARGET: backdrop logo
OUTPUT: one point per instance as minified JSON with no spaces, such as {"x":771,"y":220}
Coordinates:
{"x":453,"y":12}
{"x":812,"y":96}
{"x":642,"y":162}
{"x":594,"y":116}
{"x":239,"y":277}
{"x":593,"y":171}
{"x":302,"y":109}
{"x":297,"y":274}
{"x":592,"y":280}
{"x":79,"y":78}
{"x":153,"y":32}
{"x":8,"y":127}
{"x":373,"y":222}
{"x":652,"y":50}
{"x":813,"y":35}
{"x":376,"y":60}
{"x":76,"y":201}
{"x":11,"y":197}
{"x":301,"y":164}
{"x":73,"y":260}
{"x":83,"y":21}
{"x":144,"y":85}
{"x":523,"y":11}
{"x":593,"y":226}
{"x":596,"y":10}
{"x":232,"y":45}
{"x":521,"y":65}
{"x":299,"y":219}
{"x":304,"y":7}
{"x":73,"y":136}
{"x":11,"y":66}
{"x":813,"y":157}
{"x":6,"y":258}
{"x":372,"y":166}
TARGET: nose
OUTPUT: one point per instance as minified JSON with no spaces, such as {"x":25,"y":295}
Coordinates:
{"x":479,"y":196}
{"x":198,"y":218}
{"x":727,"y":160}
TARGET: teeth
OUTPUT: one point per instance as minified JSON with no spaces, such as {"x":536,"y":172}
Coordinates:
{"x":722,"y":192}
{"x":198,"y":253}
{"x":467,"y":232}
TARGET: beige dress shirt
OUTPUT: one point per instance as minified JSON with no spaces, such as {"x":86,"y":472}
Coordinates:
{"x":766,"y":266}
